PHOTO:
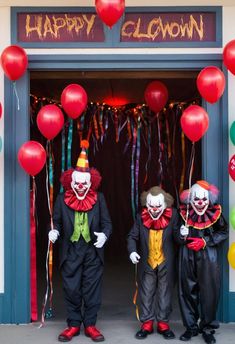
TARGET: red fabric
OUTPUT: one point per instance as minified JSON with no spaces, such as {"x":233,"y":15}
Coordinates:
{"x":93,"y":333}
{"x":147,"y":326}
{"x":161,"y":223}
{"x":70,"y":332}
{"x":196,"y":244}
{"x":33,"y":269}
{"x":80,"y":205}
{"x":206,"y":220}
{"x":162,"y":326}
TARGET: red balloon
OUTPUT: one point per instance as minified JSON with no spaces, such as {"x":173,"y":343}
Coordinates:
{"x":50,"y":121}
{"x":74,"y":100}
{"x":156,"y":95}
{"x":231,"y":167}
{"x":32,"y":157}
{"x":110,"y":11}
{"x":14,"y":62}
{"x":229,"y":56}
{"x":194,"y":122}
{"x":211,"y":83}
{"x":0,"y":110}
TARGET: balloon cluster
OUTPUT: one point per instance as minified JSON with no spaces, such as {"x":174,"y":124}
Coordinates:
{"x":50,"y":121}
{"x":229,"y":62}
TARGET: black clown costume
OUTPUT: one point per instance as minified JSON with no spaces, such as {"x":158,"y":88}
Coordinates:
{"x":199,"y":275}
{"x":151,"y":244}
{"x":82,"y":224}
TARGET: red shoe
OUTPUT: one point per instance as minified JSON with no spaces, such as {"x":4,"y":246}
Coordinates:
{"x":94,"y":334}
{"x":164,"y":329}
{"x":69,"y":333}
{"x":146,"y":329}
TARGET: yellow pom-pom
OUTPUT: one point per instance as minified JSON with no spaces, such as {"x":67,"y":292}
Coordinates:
{"x":84,"y":144}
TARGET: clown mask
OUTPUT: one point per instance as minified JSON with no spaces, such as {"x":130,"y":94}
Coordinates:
{"x":155,"y":205}
{"x":81,"y":183}
{"x":199,"y":199}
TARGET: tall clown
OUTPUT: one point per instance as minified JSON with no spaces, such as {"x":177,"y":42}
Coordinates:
{"x":151,"y":244}
{"x":199,"y":277}
{"x":82,"y":225}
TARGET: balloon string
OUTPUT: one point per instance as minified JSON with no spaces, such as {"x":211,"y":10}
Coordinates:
{"x":191,"y":166}
{"x":16,"y":94}
{"x":49,"y":255}
{"x":183,"y":162}
{"x":47,"y":288}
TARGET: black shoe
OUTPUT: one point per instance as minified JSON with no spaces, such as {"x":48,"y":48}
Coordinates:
{"x":142,"y":334}
{"x":208,"y":337}
{"x":188,"y":334}
{"x":167,"y":334}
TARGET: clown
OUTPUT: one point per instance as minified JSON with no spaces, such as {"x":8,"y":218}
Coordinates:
{"x":199,"y":277}
{"x":82,"y":224}
{"x":153,"y":231}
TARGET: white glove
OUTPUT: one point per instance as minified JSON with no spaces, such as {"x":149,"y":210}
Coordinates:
{"x":53,"y":235}
{"x":134,"y":257}
{"x":184,"y":230}
{"x":101,"y":238}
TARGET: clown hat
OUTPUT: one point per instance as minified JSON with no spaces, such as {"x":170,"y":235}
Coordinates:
{"x":82,"y":162}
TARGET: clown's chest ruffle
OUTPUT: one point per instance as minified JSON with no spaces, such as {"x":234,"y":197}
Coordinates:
{"x":206,"y":220}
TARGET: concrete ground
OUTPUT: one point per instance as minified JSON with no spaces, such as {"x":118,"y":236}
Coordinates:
{"x":116,"y":318}
{"x":115,"y":332}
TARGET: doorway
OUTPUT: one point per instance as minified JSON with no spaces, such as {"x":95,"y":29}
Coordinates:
{"x":16,"y":300}
{"x":131,"y":147}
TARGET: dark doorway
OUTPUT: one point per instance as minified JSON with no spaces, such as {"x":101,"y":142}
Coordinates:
{"x":131,"y":147}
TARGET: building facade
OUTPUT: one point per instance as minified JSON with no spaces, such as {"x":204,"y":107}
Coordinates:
{"x":136,"y":50}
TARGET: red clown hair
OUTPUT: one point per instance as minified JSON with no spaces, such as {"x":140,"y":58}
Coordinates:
{"x":66,"y":179}
{"x":212,"y":189}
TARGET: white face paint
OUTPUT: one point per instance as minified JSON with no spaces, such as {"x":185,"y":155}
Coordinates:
{"x":81,"y":183}
{"x":199,"y":199}
{"x":155,"y":205}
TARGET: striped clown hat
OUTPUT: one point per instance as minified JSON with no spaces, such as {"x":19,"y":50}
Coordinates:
{"x":82,"y":162}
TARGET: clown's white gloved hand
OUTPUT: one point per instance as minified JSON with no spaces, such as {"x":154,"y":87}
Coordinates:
{"x":134,"y":257}
{"x":101,"y":238}
{"x":53,"y":235}
{"x":184,"y":230}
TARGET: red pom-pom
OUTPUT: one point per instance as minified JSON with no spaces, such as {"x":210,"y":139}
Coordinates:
{"x":84,"y":144}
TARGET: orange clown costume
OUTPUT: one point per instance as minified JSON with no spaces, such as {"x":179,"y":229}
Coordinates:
{"x":82,"y":225}
{"x":201,"y":235}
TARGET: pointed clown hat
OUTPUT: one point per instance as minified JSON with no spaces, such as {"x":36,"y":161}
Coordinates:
{"x":82,"y":162}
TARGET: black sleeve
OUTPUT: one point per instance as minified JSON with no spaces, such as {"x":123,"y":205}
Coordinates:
{"x":218,"y":233}
{"x":105,"y":221}
{"x":178,"y":222}
{"x":133,"y":236}
{"x":57,"y":214}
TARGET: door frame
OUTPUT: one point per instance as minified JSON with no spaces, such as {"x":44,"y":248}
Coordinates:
{"x":15,"y":301}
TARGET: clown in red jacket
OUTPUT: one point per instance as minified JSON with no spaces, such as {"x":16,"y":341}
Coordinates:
{"x":151,"y":244}
{"x":200,"y":236}
{"x":82,"y":225}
